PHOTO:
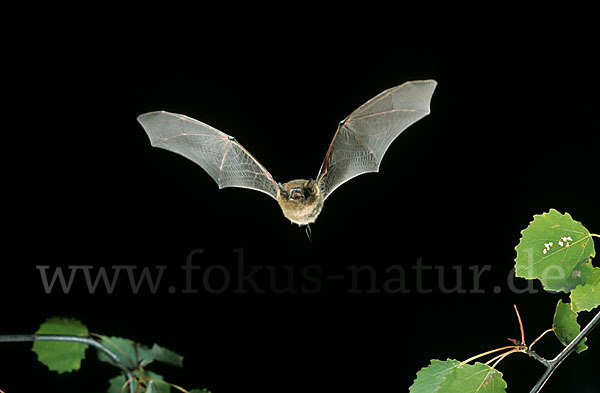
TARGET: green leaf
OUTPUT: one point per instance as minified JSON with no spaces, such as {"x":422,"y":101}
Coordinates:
{"x":130,"y":352}
{"x":156,"y":385}
{"x":167,"y":356}
{"x":566,"y":327}
{"x":199,"y":391}
{"x":587,"y":297}
{"x":61,"y":356}
{"x":474,"y":378}
{"x":555,"y":249}
{"x":116,"y":384}
{"x":429,"y":378}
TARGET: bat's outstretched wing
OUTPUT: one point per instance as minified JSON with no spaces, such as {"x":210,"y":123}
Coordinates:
{"x":219,"y":154}
{"x":362,"y":139}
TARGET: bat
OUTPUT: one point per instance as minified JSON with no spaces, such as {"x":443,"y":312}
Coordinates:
{"x":358,"y":146}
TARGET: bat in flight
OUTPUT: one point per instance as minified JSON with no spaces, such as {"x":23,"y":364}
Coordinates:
{"x":358,"y":147}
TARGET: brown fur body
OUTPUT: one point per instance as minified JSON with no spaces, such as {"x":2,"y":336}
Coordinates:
{"x":301,"y":211}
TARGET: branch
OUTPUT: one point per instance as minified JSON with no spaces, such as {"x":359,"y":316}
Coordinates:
{"x":538,"y":358}
{"x":76,"y":339}
{"x":554,"y":363}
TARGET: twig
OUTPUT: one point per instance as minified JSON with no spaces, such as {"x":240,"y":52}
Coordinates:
{"x":537,"y":357}
{"x":554,"y":363}
{"x":77,"y":339}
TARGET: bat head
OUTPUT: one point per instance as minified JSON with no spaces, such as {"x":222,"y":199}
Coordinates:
{"x":297,"y":190}
{"x":300,"y":200}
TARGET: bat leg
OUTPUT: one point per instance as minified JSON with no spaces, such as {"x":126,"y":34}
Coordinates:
{"x":308,"y":232}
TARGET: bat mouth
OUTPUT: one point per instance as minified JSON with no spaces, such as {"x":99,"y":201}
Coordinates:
{"x":296,"y":194}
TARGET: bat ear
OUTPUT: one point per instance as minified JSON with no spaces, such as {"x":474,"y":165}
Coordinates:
{"x":282,"y":190}
{"x":310,"y":187}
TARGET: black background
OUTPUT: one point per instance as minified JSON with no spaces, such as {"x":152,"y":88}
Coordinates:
{"x":512,"y":133}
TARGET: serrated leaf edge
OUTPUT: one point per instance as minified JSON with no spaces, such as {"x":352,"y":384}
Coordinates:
{"x":582,"y":344}
{"x":491,"y":370}
{"x":429,"y":365}
{"x":571,"y":296}
{"x":77,"y":365}
{"x":593,"y":255}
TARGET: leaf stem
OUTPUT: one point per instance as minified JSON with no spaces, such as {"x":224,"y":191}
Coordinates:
{"x":128,"y":382}
{"x":554,"y":363}
{"x":520,"y":325}
{"x":502,"y":356}
{"x":487,"y":353}
{"x":69,"y":338}
{"x":537,"y":339}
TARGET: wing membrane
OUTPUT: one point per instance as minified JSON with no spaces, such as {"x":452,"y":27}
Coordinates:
{"x":220,"y":155}
{"x":363,"y":138}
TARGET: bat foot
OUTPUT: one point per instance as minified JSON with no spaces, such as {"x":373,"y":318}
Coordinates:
{"x":308,"y":232}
